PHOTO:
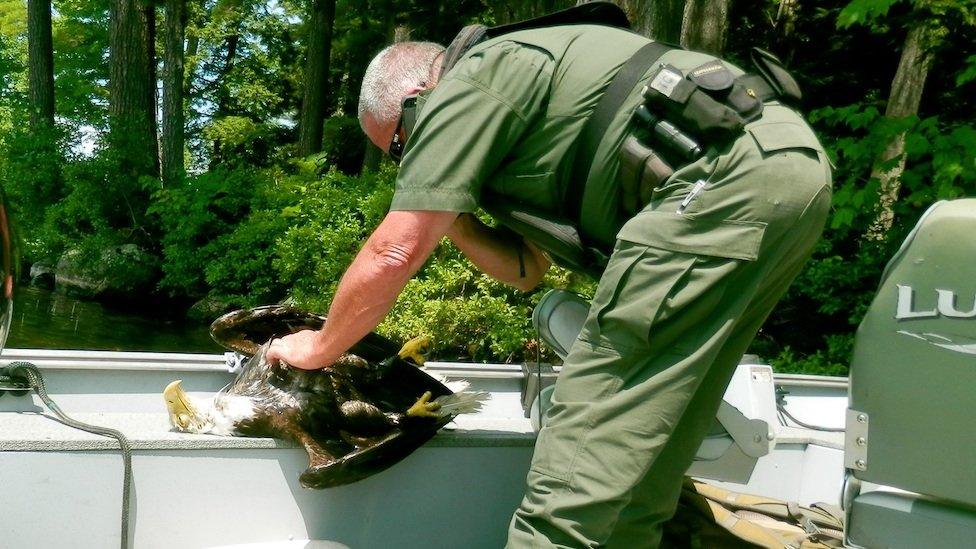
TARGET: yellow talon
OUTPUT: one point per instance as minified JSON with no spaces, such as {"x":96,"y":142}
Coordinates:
{"x":416,"y":349}
{"x":424,"y":408}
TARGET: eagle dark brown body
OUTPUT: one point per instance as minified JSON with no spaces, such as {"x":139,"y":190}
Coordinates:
{"x":352,"y":418}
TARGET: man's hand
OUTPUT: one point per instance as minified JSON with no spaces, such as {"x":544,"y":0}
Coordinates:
{"x":300,"y":349}
{"x":369,"y":288}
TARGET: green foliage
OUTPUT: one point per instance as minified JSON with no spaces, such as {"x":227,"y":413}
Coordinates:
{"x":938,"y":160}
{"x":80,"y":34}
{"x":863,"y":12}
{"x":343,"y":144}
{"x":469,"y":315}
{"x":327,"y":225}
{"x":968,"y":74}
{"x":238,"y":140}
{"x":32,"y":164}
{"x":829,"y":361}
{"x":217,"y":233}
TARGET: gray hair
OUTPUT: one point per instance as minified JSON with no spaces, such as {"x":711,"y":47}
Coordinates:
{"x":395,"y":69}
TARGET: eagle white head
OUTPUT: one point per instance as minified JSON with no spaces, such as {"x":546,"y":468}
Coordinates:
{"x":217,"y":415}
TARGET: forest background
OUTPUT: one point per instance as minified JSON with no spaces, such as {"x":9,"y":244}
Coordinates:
{"x":205,"y":153}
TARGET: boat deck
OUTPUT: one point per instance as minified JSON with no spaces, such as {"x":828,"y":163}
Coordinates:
{"x":39,"y":432}
{"x":191,"y":491}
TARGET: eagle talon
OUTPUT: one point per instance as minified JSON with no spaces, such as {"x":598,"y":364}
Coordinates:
{"x":416,"y":350}
{"x":424,"y":408}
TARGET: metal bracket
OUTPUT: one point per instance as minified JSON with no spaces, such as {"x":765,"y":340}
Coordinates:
{"x":235,"y":361}
{"x":752,"y":435}
{"x":856,"y":441}
{"x":17,"y":386}
{"x":531,"y":381}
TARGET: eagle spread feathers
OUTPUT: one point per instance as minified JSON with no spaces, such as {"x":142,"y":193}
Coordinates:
{"x":354,"y":418}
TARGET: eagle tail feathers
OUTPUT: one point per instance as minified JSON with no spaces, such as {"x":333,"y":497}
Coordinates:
{"x":455,"y":385}
{"x":463,"y":402}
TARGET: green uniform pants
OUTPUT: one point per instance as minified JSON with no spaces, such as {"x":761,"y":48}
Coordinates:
{"x":681,"y":299}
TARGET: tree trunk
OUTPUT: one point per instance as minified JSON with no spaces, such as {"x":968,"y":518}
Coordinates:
{"x":704,"y":26}
{"x":132,"y":87}
{"x":223,"y":98}
{"x":904,"y":100}
{"x":40,"y":62}
{"x":315,"y":98}
{"x":222,"y":92}
{"x":374,"y":155}
{"x":663,"y":22}
{"x":786,"y":17}
{"x":173,"y":139}
{"x":149,"y":16}
{"x":191,"y":30}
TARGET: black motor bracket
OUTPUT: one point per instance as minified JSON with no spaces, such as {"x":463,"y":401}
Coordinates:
{"x":13,"y":381}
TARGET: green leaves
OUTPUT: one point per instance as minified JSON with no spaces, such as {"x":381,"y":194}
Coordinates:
{"x":861,"y":12}
{"x":968,"y":74}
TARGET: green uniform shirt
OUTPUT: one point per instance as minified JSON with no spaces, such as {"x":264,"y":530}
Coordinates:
{"x":506,"y":119}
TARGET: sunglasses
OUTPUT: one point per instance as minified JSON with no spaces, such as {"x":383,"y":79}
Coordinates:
{"x":406,"y":123}
{"x":396,"y":146}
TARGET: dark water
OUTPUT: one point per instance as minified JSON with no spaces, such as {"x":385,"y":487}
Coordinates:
{"x":47,"y":320}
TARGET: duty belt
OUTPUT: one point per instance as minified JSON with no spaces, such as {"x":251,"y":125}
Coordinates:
{"x":682,"y":113}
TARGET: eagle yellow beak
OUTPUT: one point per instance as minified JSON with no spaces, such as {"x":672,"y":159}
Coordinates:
{"x":182,"y":414}
{"x":416,"y":349}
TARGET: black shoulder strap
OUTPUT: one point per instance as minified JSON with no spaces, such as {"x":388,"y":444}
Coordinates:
{"x":596,"y":125}
{"x":468,"y":37}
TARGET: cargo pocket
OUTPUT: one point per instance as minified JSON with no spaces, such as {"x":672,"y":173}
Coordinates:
{"x":776,"y":137}
{"x":631,"y":298}
{"x":663,"y":264}
{"x":729,"y":238}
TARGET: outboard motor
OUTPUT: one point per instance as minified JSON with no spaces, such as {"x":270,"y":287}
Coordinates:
{"x":9,"y":262}
{"x":913,"y":393}
{"x":745,"y":426}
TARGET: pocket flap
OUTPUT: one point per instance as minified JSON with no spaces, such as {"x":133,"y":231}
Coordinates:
{"x":719,"y":238}
{"x":712,"y":76}
{"x":778,"y":136}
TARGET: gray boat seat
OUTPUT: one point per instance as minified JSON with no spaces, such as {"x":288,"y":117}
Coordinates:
{"x":913,"y":393}
{"x":895,"y":519}
{"x":745,"y":426}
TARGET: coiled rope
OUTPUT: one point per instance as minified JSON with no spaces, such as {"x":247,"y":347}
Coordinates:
{"x":36,"y":381}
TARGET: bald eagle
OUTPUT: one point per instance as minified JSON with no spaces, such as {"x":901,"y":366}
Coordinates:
{"x":354,"y":419}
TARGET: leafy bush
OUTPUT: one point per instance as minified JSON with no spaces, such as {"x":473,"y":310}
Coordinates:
{"x":330,"y":219}
{"x":812,"y":329}
{"x":239,"y":140}
{"x":343,"y":144}
{"x":218,"y":233}
{"x":469,"y":315}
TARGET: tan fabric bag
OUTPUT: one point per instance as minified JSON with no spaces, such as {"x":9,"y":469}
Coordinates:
{"x":711,"y":517}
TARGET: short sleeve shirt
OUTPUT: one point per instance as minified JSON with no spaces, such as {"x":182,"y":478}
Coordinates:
{"x":470,"y":123}
{"x":506,"y":120}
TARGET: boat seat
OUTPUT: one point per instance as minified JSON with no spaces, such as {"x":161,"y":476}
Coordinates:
{"x":894,"y":519}
{"x":745,"y":426}
{"x":913,"y":370}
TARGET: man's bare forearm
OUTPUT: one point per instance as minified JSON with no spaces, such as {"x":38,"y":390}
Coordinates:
{"x":365,"y":295}
{"x":504,"y":257}
{"x":368,"y":289}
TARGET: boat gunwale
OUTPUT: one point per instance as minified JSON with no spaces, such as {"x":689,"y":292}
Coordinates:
{"x":71,"y":359}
